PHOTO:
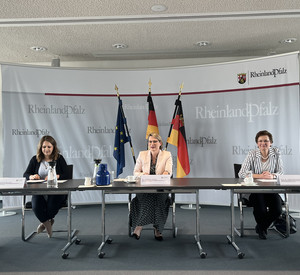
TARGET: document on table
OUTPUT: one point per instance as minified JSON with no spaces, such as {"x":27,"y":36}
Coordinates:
{"x":35,"y":181}
{"x":7,"y":183}
{"x":267,"y":180}
{"x":41,"y":181}
{"x":240,"y":184}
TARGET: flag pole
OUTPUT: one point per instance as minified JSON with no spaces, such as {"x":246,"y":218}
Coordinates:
{"x":175,"y":111}
{"x":125,"y":124}
{"x":149,"y":83}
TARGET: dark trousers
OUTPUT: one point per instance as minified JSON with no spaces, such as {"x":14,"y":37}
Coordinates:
{"x":266,"y":208}
{"x":46,"y":208}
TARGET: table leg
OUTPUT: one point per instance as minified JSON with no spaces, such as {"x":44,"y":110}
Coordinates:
{"x":105,"y":239}
{"x":197,"y":236}
{"x":71,"y":234}
{"x":231,"y":238}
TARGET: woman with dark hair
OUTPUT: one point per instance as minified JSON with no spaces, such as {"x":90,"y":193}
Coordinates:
{"x":151,"y":208}
{"x":265,"y":163}
{"x":46,"y":207}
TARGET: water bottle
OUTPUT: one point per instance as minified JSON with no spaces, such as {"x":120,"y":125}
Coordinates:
{"x":249,"y":177}
{"x":52,"y":179}
{"x":103,"y":176}
{"x":96,"y":168}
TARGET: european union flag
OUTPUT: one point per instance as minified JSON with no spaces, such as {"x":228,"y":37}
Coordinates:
{"x":120,"y":140}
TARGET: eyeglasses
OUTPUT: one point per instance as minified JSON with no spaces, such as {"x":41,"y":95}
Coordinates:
{"x":153,"y":141}
{"x":265,"y":141}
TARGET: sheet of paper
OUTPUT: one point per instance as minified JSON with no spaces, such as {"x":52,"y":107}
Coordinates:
{"x":232,"y":184}
{"x":35,"y":181}
{"x":267,"y":180}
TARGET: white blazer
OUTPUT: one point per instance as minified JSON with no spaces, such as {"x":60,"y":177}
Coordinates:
{"x":164,"y":163}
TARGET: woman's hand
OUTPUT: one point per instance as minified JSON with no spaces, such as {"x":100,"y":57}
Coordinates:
{"x":34,"y":177}
{"x":267,"y":175}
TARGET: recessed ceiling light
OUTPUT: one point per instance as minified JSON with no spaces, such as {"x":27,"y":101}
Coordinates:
{"x":38,"y":48}
{"x":159,"y":8}
{"x":120,"y":46}
{"x":288,"y":40}
{"x":202,"y":43}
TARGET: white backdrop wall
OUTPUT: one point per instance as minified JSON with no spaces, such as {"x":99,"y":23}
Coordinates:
{"x":79,"y":108}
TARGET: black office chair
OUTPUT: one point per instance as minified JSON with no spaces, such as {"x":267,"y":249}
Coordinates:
{"x":27,"y":206}
{"x":243,"y":202}
{"x":172,"y":227}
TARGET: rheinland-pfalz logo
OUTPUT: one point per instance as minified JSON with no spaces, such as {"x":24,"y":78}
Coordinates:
{"x":242,"y":77}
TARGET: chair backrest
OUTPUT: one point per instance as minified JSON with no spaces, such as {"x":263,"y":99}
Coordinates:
{"x":70,"y":171}
{"x":237,"y":168}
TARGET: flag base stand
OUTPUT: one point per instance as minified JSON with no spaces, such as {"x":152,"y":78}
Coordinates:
{"x":189,"y":207}
{"x":4,"y":213}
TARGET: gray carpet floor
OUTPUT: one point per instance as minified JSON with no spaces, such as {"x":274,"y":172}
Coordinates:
{"x":125,"y":255}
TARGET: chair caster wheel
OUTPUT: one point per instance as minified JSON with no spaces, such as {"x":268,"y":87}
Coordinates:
{"x":65,"y":255}
{"x":109,"y":241}
{"x":241,"y":255}
{"x":101,"y":255}
{"x":77,"y":241}
{"x":203,"y":255}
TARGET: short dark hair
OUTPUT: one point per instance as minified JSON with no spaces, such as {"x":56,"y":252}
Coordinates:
{"x":264,"y":133}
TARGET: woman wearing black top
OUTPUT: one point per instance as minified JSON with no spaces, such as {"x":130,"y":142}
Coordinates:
{"x":45,"y":207}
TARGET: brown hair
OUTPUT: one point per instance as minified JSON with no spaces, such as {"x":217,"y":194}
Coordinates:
{"x":156,"y":136}
{"x":39,"y":154}
{"x":264,"y":133}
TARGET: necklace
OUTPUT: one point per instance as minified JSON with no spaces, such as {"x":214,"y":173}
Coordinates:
{"x":264,"y":157}
{"x":46,"y":164}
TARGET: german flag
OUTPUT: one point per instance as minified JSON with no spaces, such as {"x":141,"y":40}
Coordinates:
{"x":152,"y":122}
{"x":178,"y":139}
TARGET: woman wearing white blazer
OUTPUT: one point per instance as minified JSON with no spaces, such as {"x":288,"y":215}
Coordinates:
{"x":151,"y":208}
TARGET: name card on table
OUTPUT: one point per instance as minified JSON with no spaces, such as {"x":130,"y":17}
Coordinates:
{"x":289,"y":180}
{"x":155,"y":179}
{"x":12,"y":183}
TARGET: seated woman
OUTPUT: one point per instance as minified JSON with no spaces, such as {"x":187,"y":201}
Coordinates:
{"x":46,"y":207}
{"x":265,"y":163}
{"x":151,"y":208}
